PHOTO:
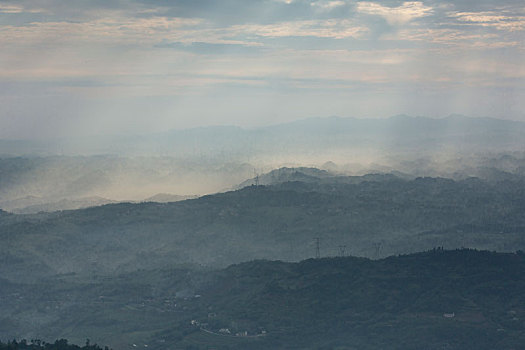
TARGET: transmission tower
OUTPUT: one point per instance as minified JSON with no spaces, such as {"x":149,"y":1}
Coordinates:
{"x":256,"y":175}
{"x":342,"y":250}
{"x":377,"y":247}
{"x":317,"y":250}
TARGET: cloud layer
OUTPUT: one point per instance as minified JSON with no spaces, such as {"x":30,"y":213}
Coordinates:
{"x":134,"y":66}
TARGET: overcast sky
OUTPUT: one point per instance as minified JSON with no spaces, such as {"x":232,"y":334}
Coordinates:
{"x":70,"y":67}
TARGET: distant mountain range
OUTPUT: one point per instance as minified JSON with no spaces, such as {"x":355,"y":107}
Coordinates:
{"x":214,"y":159}
{"x":315,"y":136}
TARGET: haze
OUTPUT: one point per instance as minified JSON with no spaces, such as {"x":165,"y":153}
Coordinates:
{"x":262,"y":174}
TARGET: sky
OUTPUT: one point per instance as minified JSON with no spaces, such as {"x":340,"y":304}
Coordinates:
{"x":77,"y":67}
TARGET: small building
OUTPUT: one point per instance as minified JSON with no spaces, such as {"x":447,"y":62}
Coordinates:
{"x":449,"y":315}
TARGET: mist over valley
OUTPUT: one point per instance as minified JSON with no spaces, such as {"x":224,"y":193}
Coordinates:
{"x":71,"y":174}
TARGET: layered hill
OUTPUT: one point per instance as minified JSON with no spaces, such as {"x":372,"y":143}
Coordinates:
{"x":373,"y":216}
{"x":62,"y":174}
{"x":462,"y":299}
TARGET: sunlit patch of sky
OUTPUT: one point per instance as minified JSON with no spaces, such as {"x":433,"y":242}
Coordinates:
{"x":102,"y":67}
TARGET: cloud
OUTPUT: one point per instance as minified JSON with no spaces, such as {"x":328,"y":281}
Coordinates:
{"x":207,"y":48}
{"x":499,"y":20}
{"x":453,"y":38}
{"x":18,"y":9}
{"x":408,"y":11}
{"x":11,"y":9}
{"x":332,"y":28}
{"x":102,"y":30}
{"x":327,"y":4}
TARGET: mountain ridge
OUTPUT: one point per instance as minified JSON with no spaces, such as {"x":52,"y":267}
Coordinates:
{"x":242,"y":141}
{"x":374,"y":217}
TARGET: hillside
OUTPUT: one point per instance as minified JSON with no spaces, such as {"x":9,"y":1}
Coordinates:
{"x":397,"y":303}
{"x":33,"y":205}
{"x":375,"y":217}
{"x":37,"y":344}
{"x":462,"y":299}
